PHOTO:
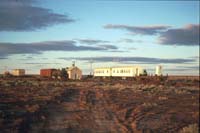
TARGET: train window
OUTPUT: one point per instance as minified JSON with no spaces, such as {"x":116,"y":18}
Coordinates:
{"x":113,"y":71}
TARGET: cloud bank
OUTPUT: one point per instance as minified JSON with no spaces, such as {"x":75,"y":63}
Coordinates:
{"x":108,"y":46}
{"x":142,"y":30}
{"x":132,"y":60}
{"x":186,"y":36}
{"x":91,"y":41}
{"x":38,"y":47}
{"x":21,"y":15}
{"x":127,"y":40}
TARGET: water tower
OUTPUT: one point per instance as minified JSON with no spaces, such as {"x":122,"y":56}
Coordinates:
{"x":158,"y":70}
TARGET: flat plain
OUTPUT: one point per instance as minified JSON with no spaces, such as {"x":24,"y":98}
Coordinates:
{"x":143,"y":105}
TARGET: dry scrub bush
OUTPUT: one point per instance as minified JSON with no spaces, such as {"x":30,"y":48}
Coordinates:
{"x":181,"y":91}
{"x":32,"y":108}
{"x":193,"y":128}
{"x":148,"y":104}
{"x":162,"y":98}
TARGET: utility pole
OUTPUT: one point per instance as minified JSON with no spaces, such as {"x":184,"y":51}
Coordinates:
{"x":73,"y":63}
{"x":91,"y":61}
{"x":5,"y":68}
{"x":74,"y":75}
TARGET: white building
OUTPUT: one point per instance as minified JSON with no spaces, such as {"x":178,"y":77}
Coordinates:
{"x":158,"y":70}
{"x":18,"y":72}
{"x":74,"y":72}
{"x":121,"y":71}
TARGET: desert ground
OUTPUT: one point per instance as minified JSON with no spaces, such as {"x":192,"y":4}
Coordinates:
{"x":139,"y":105}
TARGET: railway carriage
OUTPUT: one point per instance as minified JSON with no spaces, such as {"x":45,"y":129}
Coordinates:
{"x":121,"y":71}
{"x":102,"y":72}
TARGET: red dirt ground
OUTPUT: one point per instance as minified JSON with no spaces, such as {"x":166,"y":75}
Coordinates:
{"x":144,"y":105}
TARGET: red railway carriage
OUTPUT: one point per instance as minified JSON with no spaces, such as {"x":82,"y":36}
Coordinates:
{"x":46,"y":72}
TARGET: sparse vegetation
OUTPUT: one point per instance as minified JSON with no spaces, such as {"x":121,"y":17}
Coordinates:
{"x":106,"y":105}
{"x":193,"y":128}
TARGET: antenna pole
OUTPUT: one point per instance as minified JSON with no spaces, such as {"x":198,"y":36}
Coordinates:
{"x":91,"y":67}
{"x":6,"y":68}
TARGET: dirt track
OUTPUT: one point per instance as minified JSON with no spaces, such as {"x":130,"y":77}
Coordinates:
{"x":140,"y":105}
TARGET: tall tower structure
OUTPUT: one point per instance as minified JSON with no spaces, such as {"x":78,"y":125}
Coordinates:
{"x":158,"y":70}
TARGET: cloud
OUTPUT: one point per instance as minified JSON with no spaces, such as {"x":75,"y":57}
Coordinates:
{"x":194,"y":57}
{"x":21,"y":15}
{"x":38,"y":47}
{"x":91,"y":41}
{"x":118,"y":51}
{"x":141,"y":60}
{"x":99,"y":43}
{"x":183,"y":68}
{"x":142,"y":30}
{"x":192,"y":67}
{"x":177,"y":69}
{"x":2,"y":58}
{"x":127,"y":40}
{"x":186,"y":36}
{"x":108,"y":46}
{"x":132,"y":48}
{"x":37,"y":63}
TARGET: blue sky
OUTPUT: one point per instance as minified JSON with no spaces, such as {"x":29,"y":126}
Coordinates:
{"x":51,"y":34}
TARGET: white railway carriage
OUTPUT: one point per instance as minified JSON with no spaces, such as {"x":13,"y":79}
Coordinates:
{"x":121,"y":71}
{"x":102,"y":72}
{"x":127,"y":71}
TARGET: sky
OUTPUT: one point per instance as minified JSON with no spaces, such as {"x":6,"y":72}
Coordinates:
{"x":37,"y":34}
